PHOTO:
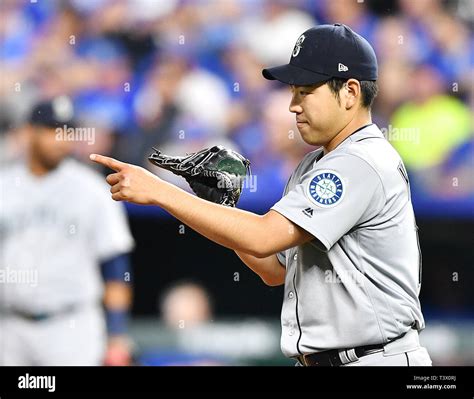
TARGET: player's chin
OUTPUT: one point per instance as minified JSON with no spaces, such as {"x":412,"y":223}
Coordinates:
{"x":303,"y":128}
{"x":52,"y":163}
{"x":309,"y":136}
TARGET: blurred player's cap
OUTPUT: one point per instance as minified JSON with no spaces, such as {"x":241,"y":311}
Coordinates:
{"x":324,"y":52}
{"x":55,"y":112}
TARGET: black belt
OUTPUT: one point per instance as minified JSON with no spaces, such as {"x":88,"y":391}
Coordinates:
{"x":339,"y":357}
{"x":42,"y":316}
{"x":333,"y":357}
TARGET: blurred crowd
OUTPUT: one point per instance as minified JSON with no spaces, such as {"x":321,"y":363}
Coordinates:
{"x":184,"y":74}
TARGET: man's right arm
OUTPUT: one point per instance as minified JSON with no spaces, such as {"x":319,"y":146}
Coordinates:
{"x":270,"y":270}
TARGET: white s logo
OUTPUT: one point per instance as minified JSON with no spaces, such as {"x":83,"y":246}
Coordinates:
{"x":298,"y":44}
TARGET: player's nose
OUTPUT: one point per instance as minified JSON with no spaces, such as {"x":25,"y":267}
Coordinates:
{"x":295,"y":106}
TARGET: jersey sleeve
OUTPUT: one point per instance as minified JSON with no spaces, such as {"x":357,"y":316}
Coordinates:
{"x":339,"y":193}
{"x":111,"y":232}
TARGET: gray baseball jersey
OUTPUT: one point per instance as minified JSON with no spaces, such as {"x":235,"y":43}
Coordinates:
{"x":54,"y":231}
{"x":357,"y":282}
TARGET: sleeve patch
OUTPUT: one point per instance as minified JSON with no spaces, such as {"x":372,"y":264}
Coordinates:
{"x":325,"y":189}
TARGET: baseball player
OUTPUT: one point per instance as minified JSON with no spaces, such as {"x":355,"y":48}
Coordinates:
{"x":58,"y":226}
{"x":343,"y":238}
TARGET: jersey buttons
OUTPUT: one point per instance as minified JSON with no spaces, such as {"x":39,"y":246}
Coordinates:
{"x":291,"y":294}
{"x":295,"y":257}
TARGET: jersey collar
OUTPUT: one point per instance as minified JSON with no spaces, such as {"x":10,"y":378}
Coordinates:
{"x":368,"y":131}
{"x":365,"y":132}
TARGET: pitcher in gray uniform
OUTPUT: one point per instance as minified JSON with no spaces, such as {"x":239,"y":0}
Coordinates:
{"x":351,"y":295}
{"x":343,"y":239}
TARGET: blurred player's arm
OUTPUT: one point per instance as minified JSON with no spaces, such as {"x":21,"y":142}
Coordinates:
{"x":117,"y":302}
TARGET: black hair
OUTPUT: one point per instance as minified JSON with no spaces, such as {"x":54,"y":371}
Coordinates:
{"x":368,"y":88}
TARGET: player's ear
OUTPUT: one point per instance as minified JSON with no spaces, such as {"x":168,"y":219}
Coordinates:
{"x":351,"y":93}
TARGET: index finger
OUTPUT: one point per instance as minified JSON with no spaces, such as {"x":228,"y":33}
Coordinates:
{"x":107,"y":161}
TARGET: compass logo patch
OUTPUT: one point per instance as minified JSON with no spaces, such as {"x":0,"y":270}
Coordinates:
{"x":325,"y":189}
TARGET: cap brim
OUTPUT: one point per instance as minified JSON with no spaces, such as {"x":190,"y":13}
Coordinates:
{"x":293,"y":75}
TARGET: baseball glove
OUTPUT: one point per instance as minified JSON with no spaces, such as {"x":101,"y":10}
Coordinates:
{"x":215,"y":174}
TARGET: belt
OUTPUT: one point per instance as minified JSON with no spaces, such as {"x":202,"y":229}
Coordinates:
{"x":42,"y":316}
{"x":339,"y":357}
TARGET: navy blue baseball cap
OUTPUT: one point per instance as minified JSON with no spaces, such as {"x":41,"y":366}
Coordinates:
{"x":325,"y":52}
{"x":54,"y":113}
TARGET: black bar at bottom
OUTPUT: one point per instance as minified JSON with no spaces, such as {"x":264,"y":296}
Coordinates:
{"x":25,"y":381}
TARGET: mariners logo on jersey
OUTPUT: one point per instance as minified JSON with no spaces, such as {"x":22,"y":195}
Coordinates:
{"x":325,"y":189}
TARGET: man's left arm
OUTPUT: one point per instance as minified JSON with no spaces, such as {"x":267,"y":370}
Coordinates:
{"x":117,"y":301}
{"x":239,"y":230}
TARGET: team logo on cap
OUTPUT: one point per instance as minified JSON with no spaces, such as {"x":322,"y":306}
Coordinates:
{"x":62,"y":108}
{"x":325,"y":189}
{"x":298,"y":44}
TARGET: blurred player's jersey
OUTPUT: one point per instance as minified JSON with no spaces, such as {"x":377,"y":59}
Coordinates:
{"x":54,"y":232}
